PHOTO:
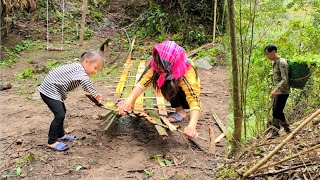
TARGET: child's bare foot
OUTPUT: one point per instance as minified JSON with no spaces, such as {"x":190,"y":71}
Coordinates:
{"x":178,"y":115}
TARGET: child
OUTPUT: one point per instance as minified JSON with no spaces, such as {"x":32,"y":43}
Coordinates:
{"x":61,"y":80}
{"x":171,"y":72}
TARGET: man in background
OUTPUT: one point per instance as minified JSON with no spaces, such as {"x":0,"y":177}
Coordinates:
{"x":281,"y":90}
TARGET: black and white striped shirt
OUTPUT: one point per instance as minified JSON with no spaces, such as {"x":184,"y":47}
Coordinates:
{"x":66,"y":78}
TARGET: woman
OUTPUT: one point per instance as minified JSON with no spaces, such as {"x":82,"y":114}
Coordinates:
{"x":173,"y":73}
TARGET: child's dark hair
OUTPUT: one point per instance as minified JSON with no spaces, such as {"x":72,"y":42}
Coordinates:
{"x":271,"y":47}
{"x":92,"y":56}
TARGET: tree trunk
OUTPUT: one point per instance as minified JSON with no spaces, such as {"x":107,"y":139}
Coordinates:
{"x":221,"y":17}
{"x":236,"y":141}
{"x":214,"y":20}
{"x":83,"y":23}
{"x":3,"y":25}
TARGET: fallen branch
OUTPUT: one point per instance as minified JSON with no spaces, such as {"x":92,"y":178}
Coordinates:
{"x":265,"y":159}
{"x":187,"y":143}
{"x":54,"y":49}
{"x":195,"y":51}
{"x":220,"y":124}
{"x":9,"y":146}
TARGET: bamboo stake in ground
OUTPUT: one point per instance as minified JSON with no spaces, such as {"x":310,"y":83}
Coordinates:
{"x":265,"y":159}
{"x":212,"y":146}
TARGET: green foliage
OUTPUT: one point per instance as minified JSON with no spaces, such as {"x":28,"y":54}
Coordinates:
{"x":296,"y":34}
{"x":29,"y":45}
{"x":26,"y":74}
{"x":226,"y":173}
{"x":97,"y":15}
{"x":162,"y":162}
{"x":79,"y":167}
{"x":52,"y":64}
{"x":148,"y":173}
{"x":19,"y":165}
{"x":159,"y":22}
{"x":9,"y":57}
{"x":87,"y":34}
{"x":197,"y":36}
{"x":18,"y":171}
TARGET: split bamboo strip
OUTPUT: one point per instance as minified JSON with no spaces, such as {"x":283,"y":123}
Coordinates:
{"x":266,"y":158}
{"x":123,"y":79}
{"x":161,"y":103}
{"x":125,"y":72}
{"x":219,"y":137}
{"x":130,"y":81}
{"x":149,"y":104}
{"x":138,"y":105}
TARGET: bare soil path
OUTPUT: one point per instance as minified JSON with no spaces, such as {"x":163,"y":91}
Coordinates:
{"x":24,"y":122}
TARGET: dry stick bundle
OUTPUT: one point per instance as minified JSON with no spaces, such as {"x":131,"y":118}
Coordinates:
{"x":291,"y":157}
{"x":265,"y":159}
{"x":284,"y":170}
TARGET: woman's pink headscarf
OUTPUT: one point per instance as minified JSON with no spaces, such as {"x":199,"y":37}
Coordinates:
{"x":174,"y":61}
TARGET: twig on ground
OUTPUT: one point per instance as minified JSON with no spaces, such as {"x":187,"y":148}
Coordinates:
{"x":187,"y":143}
{"x":9,"y":146}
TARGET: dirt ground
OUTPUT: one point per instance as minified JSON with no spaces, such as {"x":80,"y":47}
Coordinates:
{"x":25,"y":120}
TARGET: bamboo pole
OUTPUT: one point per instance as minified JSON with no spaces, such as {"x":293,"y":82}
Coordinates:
{"x":266,"y":158}
{"x":83,"y":22}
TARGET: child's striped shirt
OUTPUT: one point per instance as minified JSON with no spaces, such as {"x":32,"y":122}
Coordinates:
{"x":66,"y":78}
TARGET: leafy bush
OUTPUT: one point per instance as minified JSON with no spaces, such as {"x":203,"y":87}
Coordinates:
{"x":29,"y":45}
{"x":52,"y":64}
{"x":8,"y":57}
{"x":197,"y":36}
{"x":26,"y":74}
{"x":97,"y":15}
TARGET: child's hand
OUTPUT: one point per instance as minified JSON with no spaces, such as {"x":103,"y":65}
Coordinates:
{"x":99,"y":98}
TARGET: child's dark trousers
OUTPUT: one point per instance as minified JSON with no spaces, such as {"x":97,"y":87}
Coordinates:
{"x":58,"y":108}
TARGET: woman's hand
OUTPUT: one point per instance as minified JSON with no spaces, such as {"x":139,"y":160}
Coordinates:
{"x":190,"y":131}
{"x":124,"y":106}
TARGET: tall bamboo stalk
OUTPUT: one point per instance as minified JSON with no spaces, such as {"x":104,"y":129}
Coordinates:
{"x":83,"y":22}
